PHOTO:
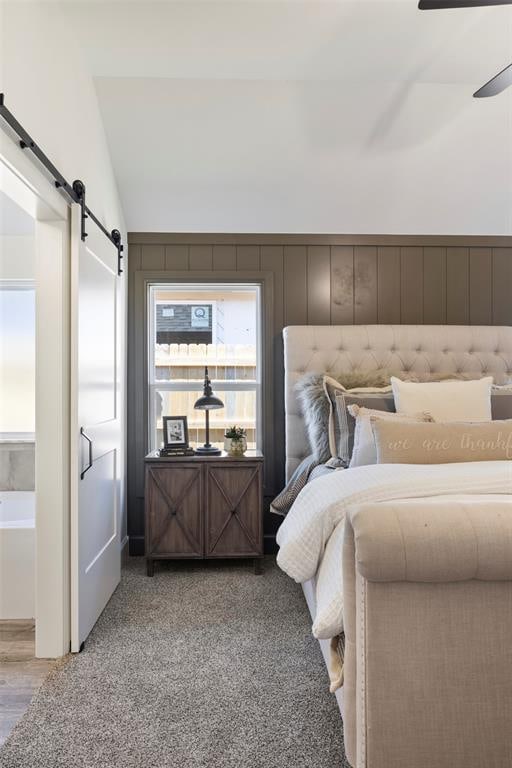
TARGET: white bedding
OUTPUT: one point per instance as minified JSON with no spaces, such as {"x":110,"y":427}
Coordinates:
{"x":311,"y":536}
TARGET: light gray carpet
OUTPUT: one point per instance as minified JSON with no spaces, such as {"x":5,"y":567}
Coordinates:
{"x":205,"y":665}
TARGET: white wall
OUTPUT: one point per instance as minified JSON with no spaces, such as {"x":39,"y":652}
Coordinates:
{"x":238,"y":319}
{"x":48,"y":88}
{"x":17,"y":253}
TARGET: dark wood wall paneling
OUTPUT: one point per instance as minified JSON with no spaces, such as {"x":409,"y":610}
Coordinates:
{"x":319,"y":280}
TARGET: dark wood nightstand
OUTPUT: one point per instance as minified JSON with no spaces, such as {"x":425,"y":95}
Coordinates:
{"x":204,"y":507}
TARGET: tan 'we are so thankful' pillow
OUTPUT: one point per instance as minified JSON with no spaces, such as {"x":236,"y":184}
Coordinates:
{"x":442,"y":443}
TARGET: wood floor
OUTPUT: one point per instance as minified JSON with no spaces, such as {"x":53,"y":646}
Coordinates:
{"x":20,"y":673}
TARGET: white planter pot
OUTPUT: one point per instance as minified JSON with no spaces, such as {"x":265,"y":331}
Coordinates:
{"x":235,"y":447}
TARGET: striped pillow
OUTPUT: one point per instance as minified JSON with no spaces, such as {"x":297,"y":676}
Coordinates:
{"x":345,"y":423}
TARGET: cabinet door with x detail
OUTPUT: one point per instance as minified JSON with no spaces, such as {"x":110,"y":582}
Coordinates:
{"x":233,"y":516}
{"x":173,"y":517}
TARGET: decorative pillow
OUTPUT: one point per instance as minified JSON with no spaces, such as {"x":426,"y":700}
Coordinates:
{"x":317,"y":408}
{"x":321,"y":412}
{"x":341,"y":425}
{"x":365,"y":450}
{"x":445,"y":400}
{"x":501,"y":402}
{"x":438,"y":443}
{"x":344,"y":423}
{"x":377,"y":395}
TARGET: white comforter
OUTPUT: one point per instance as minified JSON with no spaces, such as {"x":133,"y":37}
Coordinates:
{"x":311,"y":536}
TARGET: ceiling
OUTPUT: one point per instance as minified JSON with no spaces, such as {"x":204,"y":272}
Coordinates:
{"x":346,"y":116}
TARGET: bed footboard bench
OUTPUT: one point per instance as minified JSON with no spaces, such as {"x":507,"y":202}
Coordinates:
{"x":428,"y":624}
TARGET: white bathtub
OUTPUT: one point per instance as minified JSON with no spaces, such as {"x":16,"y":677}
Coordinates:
{"x":17,"y":554}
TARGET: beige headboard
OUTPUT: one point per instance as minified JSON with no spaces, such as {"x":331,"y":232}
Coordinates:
{"x":419,"y":348}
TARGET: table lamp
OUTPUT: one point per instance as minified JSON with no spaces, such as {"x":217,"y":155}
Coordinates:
{"x":208,"y":402}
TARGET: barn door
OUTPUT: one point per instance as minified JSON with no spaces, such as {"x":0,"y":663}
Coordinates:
{"x":96,"y":428}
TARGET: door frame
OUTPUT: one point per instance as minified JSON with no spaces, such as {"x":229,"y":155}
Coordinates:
{"x":34,"y":192}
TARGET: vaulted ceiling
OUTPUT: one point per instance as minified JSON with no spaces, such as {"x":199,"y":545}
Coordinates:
{"x":343,"y":116}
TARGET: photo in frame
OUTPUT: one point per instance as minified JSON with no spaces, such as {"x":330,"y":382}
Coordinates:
{"x":175,"y":432}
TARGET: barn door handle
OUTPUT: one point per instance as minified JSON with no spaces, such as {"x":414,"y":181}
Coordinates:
{"x":82,"y":474}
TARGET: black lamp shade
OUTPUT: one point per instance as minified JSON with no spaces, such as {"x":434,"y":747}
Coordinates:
{"x":208,"y":403}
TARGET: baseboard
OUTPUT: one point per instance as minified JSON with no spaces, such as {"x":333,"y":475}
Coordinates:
{"x":269,"y":544}
{"x":136,"y":548}
{"x":125,"y":546}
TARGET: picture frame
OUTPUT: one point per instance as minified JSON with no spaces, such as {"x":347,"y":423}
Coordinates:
{"x":175,"y":432}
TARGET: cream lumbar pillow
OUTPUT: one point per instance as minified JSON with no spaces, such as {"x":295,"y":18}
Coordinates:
{"x":445,"y":400}
{"x":436,"y":443}
{"x":365,"y":451}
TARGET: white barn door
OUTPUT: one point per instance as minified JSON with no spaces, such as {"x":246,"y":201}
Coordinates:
{"x":95,"y":428}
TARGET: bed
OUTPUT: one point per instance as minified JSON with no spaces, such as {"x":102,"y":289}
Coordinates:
{"x":473,"y":351}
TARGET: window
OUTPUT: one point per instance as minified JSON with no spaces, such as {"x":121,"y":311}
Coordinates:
{"x":193,"y":326}
{"x":17,"y":359}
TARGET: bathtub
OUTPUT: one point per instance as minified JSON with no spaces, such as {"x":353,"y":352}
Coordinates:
{"x":17,"y":554}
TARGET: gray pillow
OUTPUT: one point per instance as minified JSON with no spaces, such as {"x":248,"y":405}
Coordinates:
{"x":501,"y":403}
{"x":345,"y":423}
{"x":316,"y":407}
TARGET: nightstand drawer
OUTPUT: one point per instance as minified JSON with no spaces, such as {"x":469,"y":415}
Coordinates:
{"x":174,"y":500}
{"x":233,"y":509}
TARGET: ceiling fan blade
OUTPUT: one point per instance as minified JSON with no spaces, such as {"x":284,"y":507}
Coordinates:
{"x":432,"y":5}
{"x":496,"y":85}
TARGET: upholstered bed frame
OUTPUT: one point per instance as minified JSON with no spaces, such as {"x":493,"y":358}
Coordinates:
{"x":339,"y":349}
{"x":477,"y":350}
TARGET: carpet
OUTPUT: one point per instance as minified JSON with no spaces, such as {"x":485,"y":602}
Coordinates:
{"x":204,"y":665}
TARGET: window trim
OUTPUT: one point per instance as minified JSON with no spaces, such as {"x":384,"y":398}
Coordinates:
{"x":17,"y":437}
{"x":153,"y":385}
{"x":18,"y":284}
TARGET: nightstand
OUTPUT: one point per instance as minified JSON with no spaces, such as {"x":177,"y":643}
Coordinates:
{"x":204,"y":507}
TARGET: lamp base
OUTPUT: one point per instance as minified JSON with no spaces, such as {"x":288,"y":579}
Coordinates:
{"x":208,"y":450}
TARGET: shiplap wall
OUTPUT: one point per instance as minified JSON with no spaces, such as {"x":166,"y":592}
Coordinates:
{"x":319,"y":280}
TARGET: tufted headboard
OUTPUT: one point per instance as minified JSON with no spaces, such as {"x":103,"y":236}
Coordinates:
{"x":339,"y":349}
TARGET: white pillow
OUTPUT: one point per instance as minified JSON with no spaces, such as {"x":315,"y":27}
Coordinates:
{"x":365,"y":448}
{"x":445,"y":400}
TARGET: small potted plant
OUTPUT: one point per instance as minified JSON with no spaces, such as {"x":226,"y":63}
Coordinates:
{"x":235,"y":442}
